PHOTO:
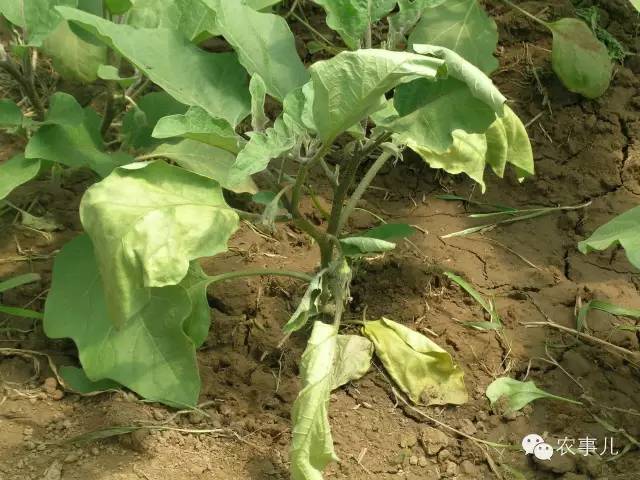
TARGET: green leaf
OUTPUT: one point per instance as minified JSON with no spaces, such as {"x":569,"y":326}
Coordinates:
{"x":109,"y":72}
{"x":308,"y":306}
{"x":64,"y":109}
{"x":264,"y":43}
{"x":351,"y":18}
{"x":518,"y":394}
{"x":261,"y":4}
{"x":623,"y":230}
{"x":18,"y":281}
{"x":356,"y":246}
{"x":139,"y":123}
{"x":20,"y":312}
{"x":383,"y":233}
{"x":258,"y":90}
{"x":636,"y":4}
{"x":37,"y":18}
{"x":462,"y":26}
{"x":75,"y":145}
{"x":506,"y":140}
{"x":311,"y":442}
{"x":190,"y":17}
{"x":409,"y":13}
{"x":352,"y":360}
{"x":197,"y":124}
{"x":147,"y":222}
{"x":607,"y":307}
{"x":422,"y":370}
{"x":487,"y":305}
{"x":10,"y":114}
{"x":118,"y":7}
{"x":16,"y":171}
{"x":348,"y":87}
{"x":203,"y":159}
{"x":149,"y":353}
{"x":430,"y":112}
{"x":579,"y":59}
{"x":197,"y":324}
{"x":74,"y":57}
{"x":76,"y":380}
{"x":214,"y":81}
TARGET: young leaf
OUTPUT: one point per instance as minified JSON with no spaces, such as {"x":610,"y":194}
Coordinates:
{"x":18,"y":281}
{"x":351,"y":18}
{"x":348,"y":87}
{"x":258,"y":91}
{"x":16,"y":171}
{"x":422,"y":370}
{"x":214,"y":81}
{"x":308,"y":306}
{"x":10,"y":114}
{"x":311,"y":442}
{"x":352,"y":361}
{"x":506,"y":140}
{"x":197,"y":124}
{"x":623,"y":230}
{"x":109,"y":72}
{"x":462,"y":26}
{"x":203,"y":159}
{"x":579,"y":59}
{"x":139,"y":123}
{"x":264,"y":43}
{"x":118,"y":7}
{"x":77,"y":381}
{"x":519,"y":394}
{"x":37,"y":18}
{"x":149,"y":353}
{"x":192,"y":18}
{"x":123,"y":215}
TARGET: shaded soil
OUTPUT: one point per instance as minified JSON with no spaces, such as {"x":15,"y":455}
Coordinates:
{"x":586,"y":151}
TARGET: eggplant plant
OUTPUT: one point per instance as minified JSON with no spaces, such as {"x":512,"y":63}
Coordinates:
{"x":180,"y":125}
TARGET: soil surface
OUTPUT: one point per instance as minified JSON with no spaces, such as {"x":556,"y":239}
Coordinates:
{"x":586,"y":151}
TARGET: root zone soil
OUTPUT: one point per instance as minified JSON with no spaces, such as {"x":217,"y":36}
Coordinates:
{"x":585,"y":151}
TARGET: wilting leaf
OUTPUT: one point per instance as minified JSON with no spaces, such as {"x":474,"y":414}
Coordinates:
{"x":383,"y":234}
{"x":349,"y":86}
{"x":139,"y":123}
{"x":623,"y":230}
{"x":462,"y":26}
{"x":197,"y":124}
{"x":264,"y":43}
{"x":74,"y":57}
{"x":76,"y":380}
{"x":308,"y":306}
{"x":311,"y":442}
{"x":352,"y":361}
{"x":16,"y":171}
{"x":75,"y":145}
{"x":579,"y":59}
{"x":518,"y":394}
{"x":205,"y":160}
{"x":422,"y":370}
{"x":213,"y":81}
{"x":109,"y":72}
{"x":351,"y":18}
{"x":506,"y":140}
{"x":258,"y":90}
{"x":37,"y":18}
{"x":149,"y":352}
{"x":10,"y":114}
{"x":356,"y":246}
{"x":147,"y":222}
{"x":192,"y":18}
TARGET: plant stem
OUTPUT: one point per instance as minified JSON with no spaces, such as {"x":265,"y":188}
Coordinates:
{"x":347,"y":179}
{"x":258,"y":272}
{"x":527,"y":14}
{"x":109,"y":110}
{"x":362,"y":187}
{"x":27,"y":86}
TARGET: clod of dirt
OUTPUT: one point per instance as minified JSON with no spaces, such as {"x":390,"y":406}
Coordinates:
{"x":576,"y":364}
{"x":450,"y":469}
{"x":50,"y":385}
{"x":408,"y":440}
{"x":557,"y":464}
{"x":433,"y":440}
{"x":54,"y":472}
{"x":467,"y":426}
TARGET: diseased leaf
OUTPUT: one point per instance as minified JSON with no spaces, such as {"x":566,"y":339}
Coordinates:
{"x":258,"y":90}
{"x":624,"y":230}
{"x":147,"y":222}
{"x":351,"y":18}
{"x":308,"y":306}
{"x":37,"y":18}
{"x":192,"y":18}
{"x":264,"y":43}
{"x":422,"y":370}
{"x":109,"y":72}
{"x":74,"y":57}
{"x":214,"y":81}
{"x":579,"y":59}
{"x":311,"y":442}
{"x":349,"y":86}
{"x":139,"y":123}
{"x":149,"y":353}
{"x":352,"y":361}
{"x":75,"y":145}
{"x":203,"y":159}
{"x":10,"y":114}
{"x":506,"y":140}
{"x":518,"y":394}
{"x":462,"y":26}
{"x":197,"y":124}
{"x":76,"y":380}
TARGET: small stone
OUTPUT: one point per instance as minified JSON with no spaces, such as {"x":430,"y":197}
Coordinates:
{"x":422,"y":461}
{"x":195,"y":418}
{"x":158,"y":414}
{"x":27,"y":432}
{"x":451,"y":469}
{"x":29,"y":445}
{"x":444,"y":455}
{"x":413,"y":460}
{"x":95,"y":451}
{"x":468,"y":427}
{"x":50,"y":384}
{"x":72,"y":457}
{"x":408,"y":440}
{"x":433,"y":440}
{"x":66,"y":423}
{"x":468,"y":468}
{"x":57,"y":394}
{"x":33,"y":400}
{"x":225,"y":410}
